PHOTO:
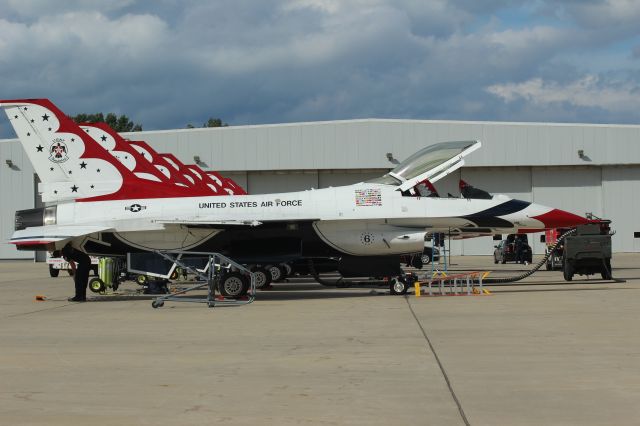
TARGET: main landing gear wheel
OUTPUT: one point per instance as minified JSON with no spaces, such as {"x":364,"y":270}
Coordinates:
{"x":262,"y":276}
{"x":277,"y":272}
{"x":53,"y":271}
{"x":398,"y":286}
{"x":234,"y":285}
{"x":96,"y":285}
{"x":288,"y":270}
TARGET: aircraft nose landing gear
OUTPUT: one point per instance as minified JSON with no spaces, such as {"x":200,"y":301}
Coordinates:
{"x":401,"y":284}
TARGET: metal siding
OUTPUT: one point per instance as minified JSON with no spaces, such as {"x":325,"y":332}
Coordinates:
{"x":264,"y":183}
{"x":341,"y":178}
{"x":620,"y":189}
{"x":17,"y":191}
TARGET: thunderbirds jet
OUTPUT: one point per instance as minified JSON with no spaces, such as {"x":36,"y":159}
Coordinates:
{"x":110,"y":197}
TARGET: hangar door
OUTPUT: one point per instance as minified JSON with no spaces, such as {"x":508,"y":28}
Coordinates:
{"x":621,"y":204}
{"x":284,"y":181}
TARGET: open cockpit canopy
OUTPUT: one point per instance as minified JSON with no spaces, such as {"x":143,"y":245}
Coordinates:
{"x":433,"y":163}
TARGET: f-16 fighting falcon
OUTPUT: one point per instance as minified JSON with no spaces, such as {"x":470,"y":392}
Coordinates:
{"x":109,"y":196}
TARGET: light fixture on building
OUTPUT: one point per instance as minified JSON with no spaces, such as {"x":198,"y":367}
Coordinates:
{"x":196,"y":158}
{"x":9,"y":163}
{"x":391,"y":159}
{"x":581,"y":153}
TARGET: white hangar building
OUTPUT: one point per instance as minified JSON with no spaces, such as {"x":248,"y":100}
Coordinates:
{"x":576,"y":167}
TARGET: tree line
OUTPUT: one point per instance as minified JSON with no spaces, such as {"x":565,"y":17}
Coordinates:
{"x":122,"y":123}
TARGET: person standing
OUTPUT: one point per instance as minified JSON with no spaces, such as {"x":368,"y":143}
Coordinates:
{"x":80,"y":263}
{"x":519,"y":249}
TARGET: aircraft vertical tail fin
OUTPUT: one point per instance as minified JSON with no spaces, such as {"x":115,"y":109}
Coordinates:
{"x":70,"y":164}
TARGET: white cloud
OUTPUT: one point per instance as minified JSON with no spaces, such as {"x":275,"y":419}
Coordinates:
{"x":589,"y":91}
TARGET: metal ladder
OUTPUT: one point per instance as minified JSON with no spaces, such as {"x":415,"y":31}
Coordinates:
{"x":209,"y":277}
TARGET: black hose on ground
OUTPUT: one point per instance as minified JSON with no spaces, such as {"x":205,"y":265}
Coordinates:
{"x":535,"y":268}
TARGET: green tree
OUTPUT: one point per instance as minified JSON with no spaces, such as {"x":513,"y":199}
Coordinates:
{"x":215,"y":122}
{"x":119,"y":124}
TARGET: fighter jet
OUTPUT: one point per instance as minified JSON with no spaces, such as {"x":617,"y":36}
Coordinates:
{"x":105,"y":207}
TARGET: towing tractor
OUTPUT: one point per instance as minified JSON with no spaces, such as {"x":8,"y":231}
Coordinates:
{"x":588,"y":251}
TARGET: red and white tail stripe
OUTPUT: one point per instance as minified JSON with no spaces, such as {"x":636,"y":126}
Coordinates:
{"x":93,"y":163}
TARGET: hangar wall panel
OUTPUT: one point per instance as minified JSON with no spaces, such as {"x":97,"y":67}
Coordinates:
{"x":620,"y":190}
{"x":327,"y":178}
{"x":17,"y":193}
{"x":264,"y":183}
{"x":575,"y":189}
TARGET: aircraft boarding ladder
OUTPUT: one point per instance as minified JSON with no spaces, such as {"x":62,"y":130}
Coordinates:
{"x":209,"y":276}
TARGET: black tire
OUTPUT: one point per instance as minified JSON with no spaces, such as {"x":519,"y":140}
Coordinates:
{"x":277,"y":272}
{"x":262,"y":277}
{"x":53,"y":271}
{"x":495,"y":259}
{"x":398,"y":286}
{"x":70,"y":272}
{"x":157,"y":304}
{"x":233,"y":285}
{"x":288,"y":270}
{"x":95,"y":270}
{"x":96,"y":285}
{"x":606,"y":270}
{"x":547,"y":265}
{"x":567,"y":270}
{"x":504,"y":259}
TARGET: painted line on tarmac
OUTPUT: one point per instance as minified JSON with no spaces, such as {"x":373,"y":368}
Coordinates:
{"x":39,"y":310}
{"x":444,"y":372}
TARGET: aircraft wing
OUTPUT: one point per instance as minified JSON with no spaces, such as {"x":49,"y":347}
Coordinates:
{"x":38,"y":235}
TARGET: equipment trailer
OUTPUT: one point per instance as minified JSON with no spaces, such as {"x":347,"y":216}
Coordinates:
{"x":588,"y":251}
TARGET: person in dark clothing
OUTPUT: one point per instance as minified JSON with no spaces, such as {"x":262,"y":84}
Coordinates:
{"x":80,"y":264}
{"x":519,"y":249}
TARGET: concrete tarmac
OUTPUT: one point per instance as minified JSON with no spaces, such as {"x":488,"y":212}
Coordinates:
{"x":553,"y":353}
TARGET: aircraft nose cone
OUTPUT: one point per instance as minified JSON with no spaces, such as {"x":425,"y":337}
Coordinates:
{"x":556,"y":218}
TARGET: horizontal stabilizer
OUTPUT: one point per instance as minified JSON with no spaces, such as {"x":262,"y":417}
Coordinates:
{"x":38,"y":235}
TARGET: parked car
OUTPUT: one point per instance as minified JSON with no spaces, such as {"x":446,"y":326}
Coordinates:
{"x":505,"y":251}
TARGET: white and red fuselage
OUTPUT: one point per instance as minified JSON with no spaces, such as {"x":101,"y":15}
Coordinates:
{"x":114,"y":197}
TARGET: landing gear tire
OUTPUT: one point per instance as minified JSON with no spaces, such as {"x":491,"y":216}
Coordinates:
{"x":277,"y":272}
{"x":96,"y":285}
{"x":234,"y":285}
{"x":53,"y":271}
{"x":398,"y":286}
{"x":262,"y":276}
{"x":288,"y":270}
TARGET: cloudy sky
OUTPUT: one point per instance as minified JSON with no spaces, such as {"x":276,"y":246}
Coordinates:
{"x":166,"y":63}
